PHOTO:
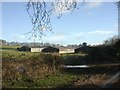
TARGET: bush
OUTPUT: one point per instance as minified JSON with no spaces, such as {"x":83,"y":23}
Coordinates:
{"x":95,"y":54}
{"x":82,"y":49}
{"x":117,"y":44}
{"x":117,"y":47}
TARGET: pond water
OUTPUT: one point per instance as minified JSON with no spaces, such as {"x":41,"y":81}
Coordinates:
{"x":76,"y":66}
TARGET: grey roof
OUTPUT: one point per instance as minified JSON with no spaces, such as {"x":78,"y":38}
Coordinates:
{"x":38,"y":46}
{"x":42,"y":46}
{"x":67,"y":48}
{"x":61,"y":48}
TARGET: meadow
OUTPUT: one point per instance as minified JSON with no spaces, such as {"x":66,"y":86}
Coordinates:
{"x":27,"y":69}
{"x":43,"y":70}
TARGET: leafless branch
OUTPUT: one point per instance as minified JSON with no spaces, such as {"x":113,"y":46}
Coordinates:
{"x":40,"y":14}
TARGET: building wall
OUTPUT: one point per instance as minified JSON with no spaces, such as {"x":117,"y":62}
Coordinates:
{"x":67,"y":51}
{"x":60,"y":50}
{"x":3,"y":42}
{"x":36,"y":49}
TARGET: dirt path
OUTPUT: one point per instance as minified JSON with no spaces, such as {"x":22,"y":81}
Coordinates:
{"x":97,"y":76}
{"x":97,"y":81}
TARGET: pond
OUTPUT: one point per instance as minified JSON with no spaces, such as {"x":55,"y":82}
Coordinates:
{"x":92,"y":66}
{"x":76,"y":66}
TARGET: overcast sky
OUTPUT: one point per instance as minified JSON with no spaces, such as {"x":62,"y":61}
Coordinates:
{"x":92,"y":23}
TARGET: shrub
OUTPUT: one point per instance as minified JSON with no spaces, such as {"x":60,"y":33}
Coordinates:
{"x":95,"y":54}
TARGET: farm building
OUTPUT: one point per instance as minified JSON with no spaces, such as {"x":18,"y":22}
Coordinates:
{"x":54,"y":49}
{"x":50,"y":49}
{"x":44,"y":49}
{"x":37,"y":49}
{"x":67,"y":50}
{"x":24,"y":48}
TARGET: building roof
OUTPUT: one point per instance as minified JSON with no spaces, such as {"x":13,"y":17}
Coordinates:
{"x":61,"y":48}
{"x":38,"y":46}
{"x":64,"y":48}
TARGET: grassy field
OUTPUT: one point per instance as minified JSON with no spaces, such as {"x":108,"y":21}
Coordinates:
{"x":27,"y":69}
{"x":39,"y":70}
{"x":51,"y":81}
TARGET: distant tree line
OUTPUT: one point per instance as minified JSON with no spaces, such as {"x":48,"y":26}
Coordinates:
{"x":13,"y":43}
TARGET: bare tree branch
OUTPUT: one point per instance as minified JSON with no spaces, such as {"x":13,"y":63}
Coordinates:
{"x":40,"y":14}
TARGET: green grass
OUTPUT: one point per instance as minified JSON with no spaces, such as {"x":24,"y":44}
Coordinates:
{"x":52,"y":81}
{"x":39,"y":69}
{"x":37,"y":64}
{"x":60,"y":80}
{"x":17,"y":54}
{"x":12,"y":52}
{"x":10,"y":47}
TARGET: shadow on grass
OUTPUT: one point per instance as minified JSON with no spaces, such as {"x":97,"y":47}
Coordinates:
{"x":88,"y":59}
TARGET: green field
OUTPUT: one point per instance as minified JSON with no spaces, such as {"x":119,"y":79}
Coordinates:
{"x":37,"y":70}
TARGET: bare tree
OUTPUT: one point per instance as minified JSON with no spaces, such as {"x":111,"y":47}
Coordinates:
{"x":40,"y":14}
{"x":111,"y":41}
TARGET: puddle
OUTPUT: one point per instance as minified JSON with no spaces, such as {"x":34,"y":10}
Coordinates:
{"x":76,"y":66}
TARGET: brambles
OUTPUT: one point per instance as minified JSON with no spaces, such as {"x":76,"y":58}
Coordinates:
{"x":30,"y":70}
{"x":17,"y":65}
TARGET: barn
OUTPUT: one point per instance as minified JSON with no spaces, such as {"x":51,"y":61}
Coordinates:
{"x":67,"y":50}
{"x":50,"y":49}
{"x":37,"y":49}
{"x":44,"y":49}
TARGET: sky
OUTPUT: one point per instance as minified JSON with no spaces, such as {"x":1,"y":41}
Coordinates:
{"x":92,"y":23}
